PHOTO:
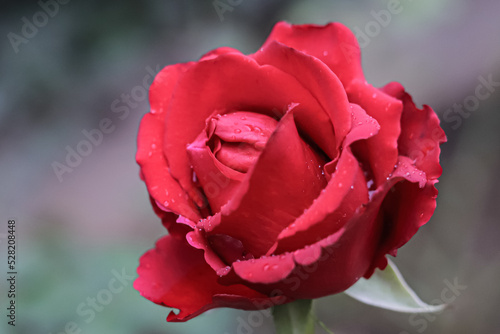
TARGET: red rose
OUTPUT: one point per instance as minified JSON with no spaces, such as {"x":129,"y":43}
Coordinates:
{"x":280,"y":175}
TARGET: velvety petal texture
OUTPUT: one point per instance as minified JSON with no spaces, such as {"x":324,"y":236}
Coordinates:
{"x":280,"y":175}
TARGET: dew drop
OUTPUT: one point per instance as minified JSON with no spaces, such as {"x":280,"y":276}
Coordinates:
{"x":237,"y":131}
{"x":266,"y":267}
{"x":275,"y":266}
{"x":173,"y":200}
{"x":243,"y":118}
{"x":325,"y":53}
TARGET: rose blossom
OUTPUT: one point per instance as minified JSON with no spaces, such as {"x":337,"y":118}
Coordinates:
{"x":280,"y":175}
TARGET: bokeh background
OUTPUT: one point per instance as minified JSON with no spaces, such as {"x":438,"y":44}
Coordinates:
{"x":75,"y":234}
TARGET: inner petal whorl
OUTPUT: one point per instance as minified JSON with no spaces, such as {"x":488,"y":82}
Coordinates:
{"x":238,"y":138}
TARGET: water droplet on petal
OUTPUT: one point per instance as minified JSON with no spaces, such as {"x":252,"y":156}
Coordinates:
{"x":266,"y":267}
{"x":237,"y":131}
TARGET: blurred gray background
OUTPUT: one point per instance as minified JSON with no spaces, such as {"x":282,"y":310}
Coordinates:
{"x":76,"y":232}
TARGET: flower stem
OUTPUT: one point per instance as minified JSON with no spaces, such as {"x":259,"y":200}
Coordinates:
{"x":294,"y":318}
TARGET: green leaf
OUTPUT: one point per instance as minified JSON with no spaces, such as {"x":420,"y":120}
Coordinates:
{"x":294,"y":318}
{"x":387,"y":289}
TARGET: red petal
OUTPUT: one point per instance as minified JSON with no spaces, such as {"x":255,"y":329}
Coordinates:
{"x":380,"y":152}
{"x":406,"y":208}
{"x":165,"y":190}
{"x":323,"y":85}
{"x":346,"y":191}
{"x":334,"y":44}
{"x":265,"y":270}
{"x":175,"y":275}
{"x":170,"y":221}
{"x":218,"y":181}
{"x":421,"y":134}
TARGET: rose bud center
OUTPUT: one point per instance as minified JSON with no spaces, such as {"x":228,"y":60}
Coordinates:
{"x":238,"y":138}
